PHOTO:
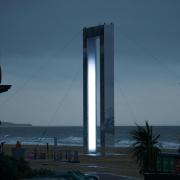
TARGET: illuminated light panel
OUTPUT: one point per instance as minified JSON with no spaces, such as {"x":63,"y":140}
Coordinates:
{"x":91,"y":103}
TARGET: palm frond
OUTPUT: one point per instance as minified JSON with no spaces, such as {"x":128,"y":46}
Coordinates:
{"x":146,"y":146}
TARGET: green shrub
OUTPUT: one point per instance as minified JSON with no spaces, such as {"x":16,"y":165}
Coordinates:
{"x":12,"y":169}
{"x":146,"y":147}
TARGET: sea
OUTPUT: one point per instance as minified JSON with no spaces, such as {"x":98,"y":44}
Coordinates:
{"x":73,"y":136}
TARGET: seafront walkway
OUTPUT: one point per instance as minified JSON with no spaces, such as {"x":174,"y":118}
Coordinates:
{"x":102,"y":176}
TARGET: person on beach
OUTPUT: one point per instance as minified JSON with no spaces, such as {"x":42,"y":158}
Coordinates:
{"x":47,"y":150}
{"x":179,"y":149}
{"x":2,"y":147}
{"x":18,"y":144}
{"x":35,"y":152}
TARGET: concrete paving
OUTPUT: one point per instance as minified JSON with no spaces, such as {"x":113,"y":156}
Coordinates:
{"x":102,"y":176}
{"x":106,"y":176}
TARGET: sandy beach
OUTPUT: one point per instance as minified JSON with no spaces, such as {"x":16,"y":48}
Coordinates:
{"x":118,"y":161}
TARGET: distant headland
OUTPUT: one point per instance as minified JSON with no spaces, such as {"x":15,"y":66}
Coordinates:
{"x":10,"y":124}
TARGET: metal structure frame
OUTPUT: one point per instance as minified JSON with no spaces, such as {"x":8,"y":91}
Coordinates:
{"x":105,"y":34}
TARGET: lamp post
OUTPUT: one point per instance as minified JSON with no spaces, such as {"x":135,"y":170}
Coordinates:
{"x":3,"y":88}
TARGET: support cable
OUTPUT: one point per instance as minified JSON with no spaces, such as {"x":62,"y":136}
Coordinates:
{"x":29,"y":80}
{"x":129,"y":105}
{"x":147,"y":52}
{"x":60,"y":104}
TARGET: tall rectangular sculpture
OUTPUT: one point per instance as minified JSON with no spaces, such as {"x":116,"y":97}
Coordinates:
{"x":105,"y":35}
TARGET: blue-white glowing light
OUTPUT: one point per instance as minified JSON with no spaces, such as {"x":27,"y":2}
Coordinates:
{"x":91,"y":102}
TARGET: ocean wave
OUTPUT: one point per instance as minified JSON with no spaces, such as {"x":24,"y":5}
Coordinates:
{"x":124,"y":143}
{"x":71,"y":140}
{"x":77,"y":141}
{"x":38,"y":140}
{"x":170,"y":145}
{"x":163,"y":144}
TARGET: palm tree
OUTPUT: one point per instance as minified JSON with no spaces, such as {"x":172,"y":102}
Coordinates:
{"x":145,"y":148}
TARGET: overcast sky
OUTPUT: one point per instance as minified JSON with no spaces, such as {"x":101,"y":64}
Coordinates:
{"x":41,"y":56}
